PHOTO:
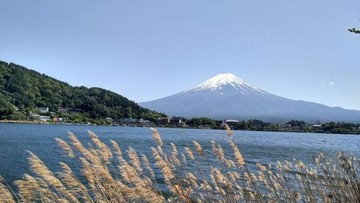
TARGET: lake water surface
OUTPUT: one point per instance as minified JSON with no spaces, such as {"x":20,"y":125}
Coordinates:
{"x":263,"y":147}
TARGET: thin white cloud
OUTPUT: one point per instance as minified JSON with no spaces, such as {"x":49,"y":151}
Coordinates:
{"x":327,"y":83}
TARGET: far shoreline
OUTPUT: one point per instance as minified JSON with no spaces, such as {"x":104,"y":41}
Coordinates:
{"x":22,"y":122}
{"x":154,"y":126}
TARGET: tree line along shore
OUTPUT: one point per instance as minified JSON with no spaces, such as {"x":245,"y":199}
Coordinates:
{"x":207,"y":123}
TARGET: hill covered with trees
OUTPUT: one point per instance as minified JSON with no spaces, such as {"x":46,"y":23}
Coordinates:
{"x":23,"y":92}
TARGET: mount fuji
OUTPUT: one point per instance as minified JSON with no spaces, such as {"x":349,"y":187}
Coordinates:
{"x":226,"y":96}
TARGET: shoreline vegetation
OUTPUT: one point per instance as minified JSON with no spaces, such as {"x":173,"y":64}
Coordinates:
{"x":191,"y":173}
{"x":206,"y":123}
{"x":22,"y":122}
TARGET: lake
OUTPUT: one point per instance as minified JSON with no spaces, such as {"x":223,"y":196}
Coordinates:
{"x":263,"y":147}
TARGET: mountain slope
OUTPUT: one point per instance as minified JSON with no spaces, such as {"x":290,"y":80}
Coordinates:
{"x":27,"y":90}
{"x":226,"y":96}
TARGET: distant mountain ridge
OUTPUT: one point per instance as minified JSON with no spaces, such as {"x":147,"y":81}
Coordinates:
{"x":23,"y":91}
{"x":226,"y":96}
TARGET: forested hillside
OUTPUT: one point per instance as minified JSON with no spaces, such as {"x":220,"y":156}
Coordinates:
{"x":24,"y":91}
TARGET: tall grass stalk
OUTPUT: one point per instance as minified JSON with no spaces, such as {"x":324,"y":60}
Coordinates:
{"x":179,"y":175}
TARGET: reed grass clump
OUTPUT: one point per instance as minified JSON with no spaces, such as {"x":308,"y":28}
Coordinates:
{"x":193,"y":173}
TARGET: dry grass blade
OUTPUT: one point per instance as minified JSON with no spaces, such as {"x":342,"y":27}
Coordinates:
{"x":189,"y":153}
{"x":159,"y":161}
{"x":174,"y":155}
{"x":199,"y":149}
{"x":64,"y":145}
{"x":156,"y":136}
{"x":73,"y":185}
{"x":5,"y":193}
{"x":77,"y":144}
{"x":39,"y":168}
{"x":238,"y":156}
{"x":116,"y":148}
{"x":147,"y":165}
{"x":134,"y":159}
{"x":228,"y":130}
{"x":103,"y":148}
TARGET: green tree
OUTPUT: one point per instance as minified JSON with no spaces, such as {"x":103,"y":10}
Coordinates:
{"x":129,"y":112}
{"x":203,"y":122}
{"x":6,"y":107}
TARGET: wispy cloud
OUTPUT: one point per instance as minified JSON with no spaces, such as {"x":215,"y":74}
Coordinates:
{"x":328,"y":83}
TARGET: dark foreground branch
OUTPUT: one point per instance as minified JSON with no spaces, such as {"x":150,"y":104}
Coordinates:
{"x":354,"y":30}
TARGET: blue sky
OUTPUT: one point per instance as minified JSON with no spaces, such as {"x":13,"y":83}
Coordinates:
{"x":145,"y":49}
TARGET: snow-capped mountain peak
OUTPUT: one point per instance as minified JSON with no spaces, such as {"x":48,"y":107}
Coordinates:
{"x":227,"y":96}
{"x":219,"y":81}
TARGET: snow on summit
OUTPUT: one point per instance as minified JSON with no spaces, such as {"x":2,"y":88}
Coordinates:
{"x":219,"y":81}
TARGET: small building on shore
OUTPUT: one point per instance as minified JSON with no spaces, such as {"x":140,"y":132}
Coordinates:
{"x":44,"y":118}
{"x":176,"y":120}
{"x":163,"y":121}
